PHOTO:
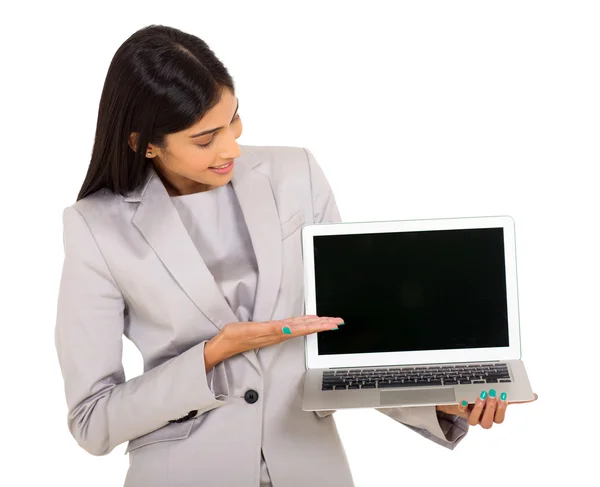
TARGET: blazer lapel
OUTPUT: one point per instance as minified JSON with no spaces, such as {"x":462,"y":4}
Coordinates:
{"x":255,"y":195}
{"x":159,"y":222}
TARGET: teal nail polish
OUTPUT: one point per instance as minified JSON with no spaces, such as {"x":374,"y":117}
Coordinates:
{"x":286,"y":330}
{"x":336,"y":328}
{"x":340,"y":324}
{"x":483,"y":395}
{"x":464,"y":403}
{"x":503,"y":396}
{"x":492,"y":393}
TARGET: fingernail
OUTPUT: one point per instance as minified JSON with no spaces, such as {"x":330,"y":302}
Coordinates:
{"x":492,"y":393}
{"x":464,"y":403}
{"x":286,"y":330}
{"x":336,"y":328}
{"x":483,"y":395}
{"x":503,"y":396}
{"x":342,"y":323}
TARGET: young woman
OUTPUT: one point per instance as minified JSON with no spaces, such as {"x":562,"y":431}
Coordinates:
{"x":189,"y":245}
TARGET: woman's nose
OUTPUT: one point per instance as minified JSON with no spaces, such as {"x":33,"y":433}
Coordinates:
{"x":231,"y":149}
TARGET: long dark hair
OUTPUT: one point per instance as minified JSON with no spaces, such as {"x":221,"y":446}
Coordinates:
{"x":160,"y":81}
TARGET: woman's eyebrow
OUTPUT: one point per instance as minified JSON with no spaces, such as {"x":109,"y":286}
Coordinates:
{"x":210,"y":131}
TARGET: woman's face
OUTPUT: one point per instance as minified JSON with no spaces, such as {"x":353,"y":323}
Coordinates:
{"x":191,"y":161}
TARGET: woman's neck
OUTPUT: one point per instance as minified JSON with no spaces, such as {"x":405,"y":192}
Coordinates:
{"x":177,"y":185}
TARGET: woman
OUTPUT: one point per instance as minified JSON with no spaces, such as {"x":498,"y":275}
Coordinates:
{"x":197,"y":260}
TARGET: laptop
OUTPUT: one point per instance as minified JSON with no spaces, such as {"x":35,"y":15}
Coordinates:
{"x":430,"y":312}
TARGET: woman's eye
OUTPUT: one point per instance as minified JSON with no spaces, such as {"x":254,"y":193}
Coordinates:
{"x":207,"y":144}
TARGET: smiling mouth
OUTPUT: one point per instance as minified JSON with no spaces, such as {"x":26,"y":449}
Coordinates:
{"x":223,"y":166}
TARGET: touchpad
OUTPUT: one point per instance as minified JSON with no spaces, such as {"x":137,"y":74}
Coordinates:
{"x":416,"y":396}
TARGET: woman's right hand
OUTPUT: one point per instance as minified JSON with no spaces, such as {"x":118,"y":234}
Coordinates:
{"x":239,"y":337}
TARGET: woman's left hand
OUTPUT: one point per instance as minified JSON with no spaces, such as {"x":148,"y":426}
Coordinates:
{"x":487,"y":410}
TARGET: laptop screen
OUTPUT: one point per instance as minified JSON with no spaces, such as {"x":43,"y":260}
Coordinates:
{"x":412,"y":291}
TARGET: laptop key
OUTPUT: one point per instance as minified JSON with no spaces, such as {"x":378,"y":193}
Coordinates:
{"x":491,"y":381}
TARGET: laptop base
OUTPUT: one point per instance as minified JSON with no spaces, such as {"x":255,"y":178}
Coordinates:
{"x":315,"y":399}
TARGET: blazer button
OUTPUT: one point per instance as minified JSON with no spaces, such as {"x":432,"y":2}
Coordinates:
{"x":251,"y":396}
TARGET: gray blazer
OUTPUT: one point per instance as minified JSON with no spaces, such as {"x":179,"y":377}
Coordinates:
{"x":131,"y":268}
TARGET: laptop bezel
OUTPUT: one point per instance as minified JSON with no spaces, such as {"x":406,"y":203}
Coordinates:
{"x":511,"y":352}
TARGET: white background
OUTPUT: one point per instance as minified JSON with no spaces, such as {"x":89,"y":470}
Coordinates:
{"x":414,"y":110}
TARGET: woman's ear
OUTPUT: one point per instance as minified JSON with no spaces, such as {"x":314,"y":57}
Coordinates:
{"x":133,"y":138}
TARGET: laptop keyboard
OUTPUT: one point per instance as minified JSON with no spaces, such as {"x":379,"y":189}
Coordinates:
{"x":424,"y":376}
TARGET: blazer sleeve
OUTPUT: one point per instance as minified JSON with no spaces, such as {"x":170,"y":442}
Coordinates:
{"x":104,"y":409}
{"x":443,"y":429}
{"x":324,"y":205}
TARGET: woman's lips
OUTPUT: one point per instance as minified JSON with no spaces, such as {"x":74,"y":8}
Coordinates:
{"x":222,"y":170}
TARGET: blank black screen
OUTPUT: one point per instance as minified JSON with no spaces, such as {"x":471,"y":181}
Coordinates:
{"x":405,"y":291}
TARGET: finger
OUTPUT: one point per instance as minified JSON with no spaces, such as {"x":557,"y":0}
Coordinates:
{"x":489,"y":411}
{"x":299,"y":320}
{"x":463,"y":407}
{"x":477,"y":410}
{"x":323,"y":324}
{"x":305,"y":327}
{"x":304,"y":320}
{"x":501,"y":409}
